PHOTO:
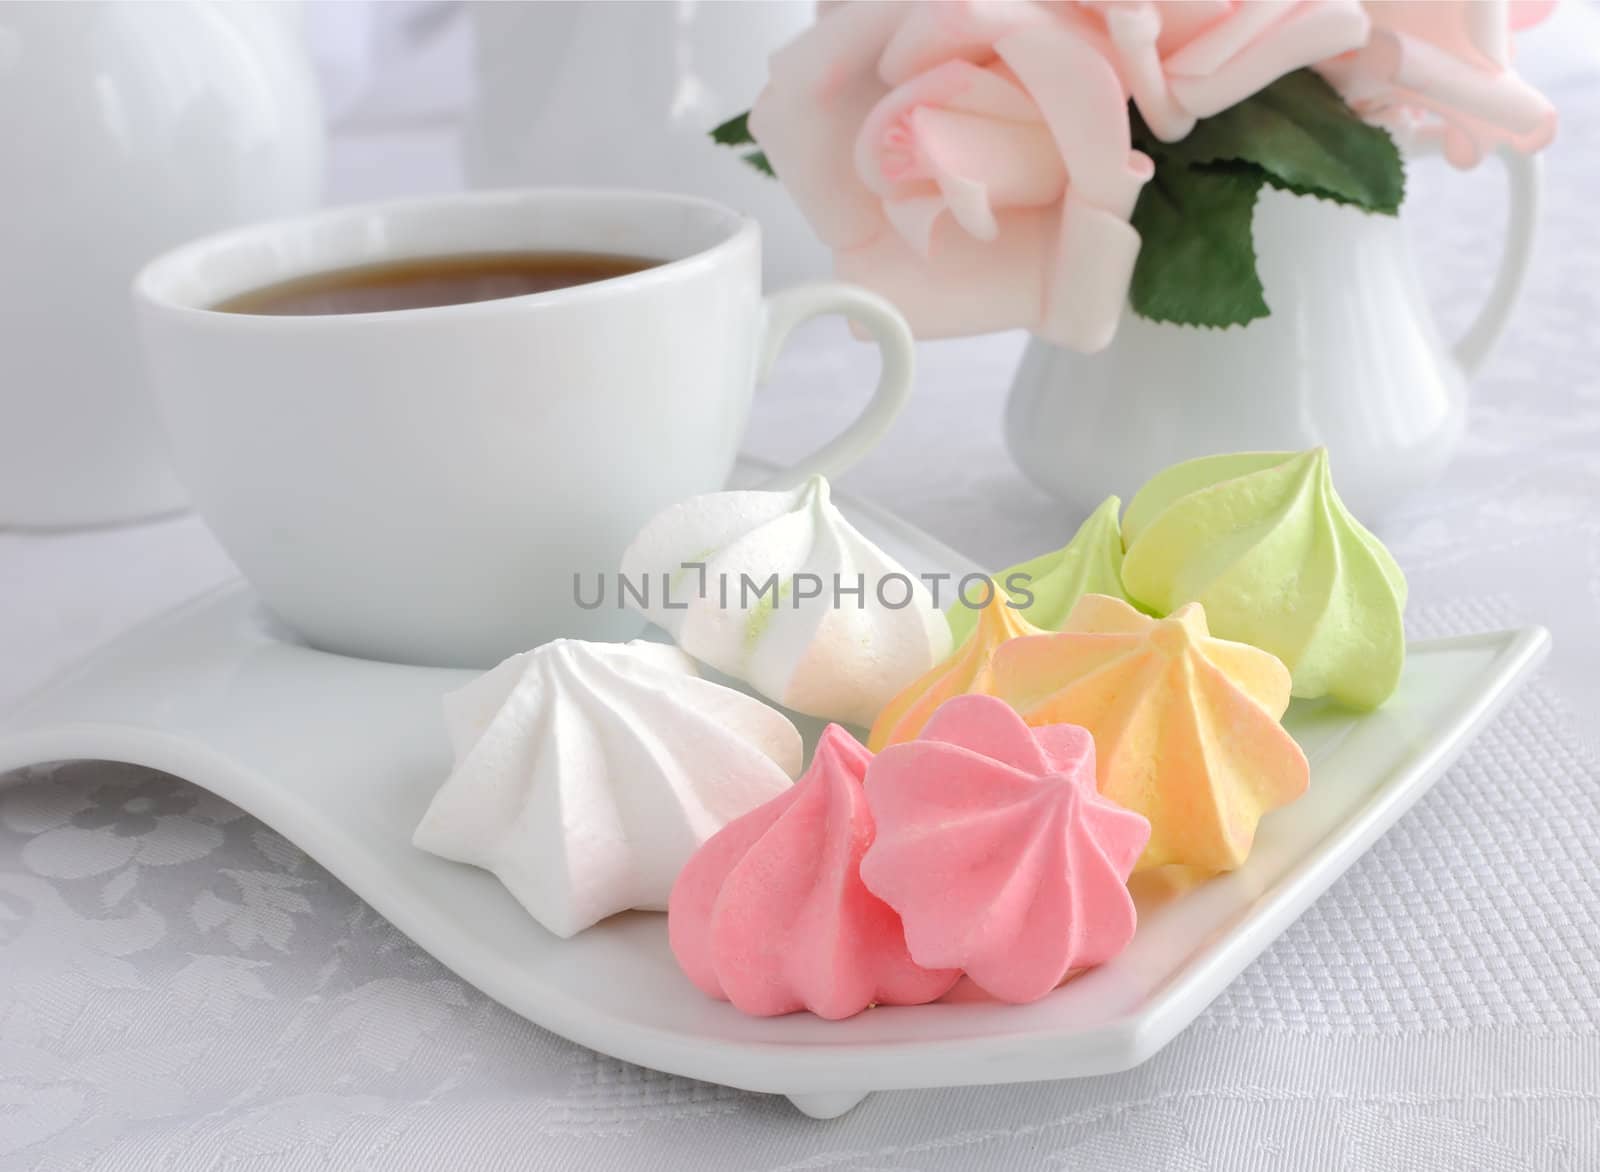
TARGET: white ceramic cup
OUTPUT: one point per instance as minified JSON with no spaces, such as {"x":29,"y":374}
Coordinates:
{"x":422,"y":485}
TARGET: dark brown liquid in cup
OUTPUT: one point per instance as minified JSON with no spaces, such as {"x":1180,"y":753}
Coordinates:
{"x":425,"y":282}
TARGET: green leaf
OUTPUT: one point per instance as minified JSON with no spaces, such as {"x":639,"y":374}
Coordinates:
{"x":734,"y":132}
{"x":1305,"y":139}
{"x":1197,"y":260}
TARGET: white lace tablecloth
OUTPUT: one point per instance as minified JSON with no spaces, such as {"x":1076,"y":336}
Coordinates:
{"x":181,"y":988}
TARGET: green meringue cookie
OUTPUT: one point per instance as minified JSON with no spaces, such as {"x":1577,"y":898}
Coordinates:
{"x":1091,"y":563}
{"x":1263,"y":542}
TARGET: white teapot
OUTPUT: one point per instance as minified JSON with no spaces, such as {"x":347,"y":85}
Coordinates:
{"x":625,"y":94}
{"x":1349,"y":357}
{"x":124,"y":130}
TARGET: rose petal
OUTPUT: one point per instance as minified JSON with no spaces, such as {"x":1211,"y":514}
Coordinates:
{"x":981,"y":164}
{"x":1402,"y":80}
{"x":1134,"y":31}
{"x":1184,"y":20}
{"x":1225,"y":39}
{"x":967,"y":286}
{"x":1488,"y":27}
{"x":932,"y":34}
{"x":1310,"y":33}
{"x":1527,"y":13}
{"x":834,"y":51}
{"x":914,"y":219}
{"x":1084,"y":104}
{"x":972,"y":133}
{"x":887,"y":153}
{"x":1447,"y":84}
{"x":1087,"y":287}
{"x":821,"y":86}
{"x":968,"y":201}
{"x":1465,"y":29}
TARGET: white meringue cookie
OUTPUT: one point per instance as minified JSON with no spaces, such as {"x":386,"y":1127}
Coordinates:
{"x":834,"y":656}
{"x":586,"y":774}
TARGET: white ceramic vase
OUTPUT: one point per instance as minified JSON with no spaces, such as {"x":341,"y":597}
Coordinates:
{"x":1349,"y":357}
{"x":124,"y":130}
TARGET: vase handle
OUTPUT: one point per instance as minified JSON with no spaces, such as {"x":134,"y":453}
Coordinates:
{"x":1524,"y":177}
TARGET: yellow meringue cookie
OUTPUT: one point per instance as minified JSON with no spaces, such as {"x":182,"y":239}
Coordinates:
{"x":965,"y":671}
{"x":1263,"y":541}
{"x":1186,"y":726}
{"x":1048,"y":585}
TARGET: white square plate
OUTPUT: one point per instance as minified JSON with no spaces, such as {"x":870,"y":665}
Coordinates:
{"x":342,"y":756}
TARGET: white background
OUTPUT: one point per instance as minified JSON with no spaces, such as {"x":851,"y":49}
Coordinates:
{"x":180,"y":988}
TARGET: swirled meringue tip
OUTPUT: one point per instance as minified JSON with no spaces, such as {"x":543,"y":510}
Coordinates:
{"x":1262,"y":540}
{"x":1091,"y":563}
{"x":586,"y":774}
{"x":840,"y":653}
{"x":967,"y":670}
{"x":998,"y":853}
{"x":1186,"y":726}
{"x":771,"y":914}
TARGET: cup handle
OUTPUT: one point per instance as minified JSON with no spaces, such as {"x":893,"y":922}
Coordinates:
{"x":887,"y":328}
{"x":1524,"y":179}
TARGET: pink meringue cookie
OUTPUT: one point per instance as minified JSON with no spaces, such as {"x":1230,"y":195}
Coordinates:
{"x":771,"y":913}
{"x":998,"y":852}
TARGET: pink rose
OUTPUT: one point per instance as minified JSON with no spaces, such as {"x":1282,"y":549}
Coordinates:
{"x":1441,"y":69}
{"x":973,"y":162}
{"x":969,"y":161}
{"x":1188,"y":59}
